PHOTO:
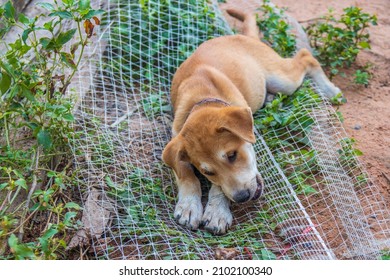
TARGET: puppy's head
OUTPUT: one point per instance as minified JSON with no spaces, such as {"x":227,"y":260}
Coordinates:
{"x":218,"y":142}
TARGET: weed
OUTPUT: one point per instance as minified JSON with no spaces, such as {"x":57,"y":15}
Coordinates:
{"x":362,"y":77}
{"x":36,"y":123}
{"x":337,"y":42}
{"x":286,"y":123}
{"x":175,"y":29}
{"x":338,"y":99}
{"x":154,"y":105}
{"x":276,"y":30}
{"x":385,"y":254}
{"x":348,"y":152}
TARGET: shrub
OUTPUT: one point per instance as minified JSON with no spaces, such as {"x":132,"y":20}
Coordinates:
{"x":338,"y":41}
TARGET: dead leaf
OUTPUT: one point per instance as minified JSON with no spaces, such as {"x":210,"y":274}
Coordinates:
{"x":79,"y":239}
{"x":95,"y":219}
{"x":88,"y":26}
{"x":226,"y":253}
{"x":97,"y":21}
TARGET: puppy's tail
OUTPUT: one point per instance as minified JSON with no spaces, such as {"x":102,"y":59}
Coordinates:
{"x":250,"y":27}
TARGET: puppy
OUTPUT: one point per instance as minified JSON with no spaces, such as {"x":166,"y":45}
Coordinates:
{"x":214,"y":93}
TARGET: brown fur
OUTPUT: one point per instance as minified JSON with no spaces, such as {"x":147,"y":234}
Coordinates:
{"x":238,"y":70}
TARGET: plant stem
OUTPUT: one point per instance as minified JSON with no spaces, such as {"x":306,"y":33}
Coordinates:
{"x":83,"y":44}
{"x":6,"y":131}
{"x":32,"y":190}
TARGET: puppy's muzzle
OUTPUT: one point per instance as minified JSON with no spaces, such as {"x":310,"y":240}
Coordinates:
{"x":245,"y":195}
{"x":242,"y":196}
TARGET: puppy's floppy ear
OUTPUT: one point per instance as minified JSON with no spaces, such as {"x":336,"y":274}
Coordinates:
{"x":238,"y":121}
{"x":175,"y":154}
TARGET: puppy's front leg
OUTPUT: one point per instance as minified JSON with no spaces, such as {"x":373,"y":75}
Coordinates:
{"x":189,"y":209}
{"x":217,"y":217}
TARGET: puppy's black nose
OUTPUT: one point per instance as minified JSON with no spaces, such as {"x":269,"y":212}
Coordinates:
{"x":242,"y":196}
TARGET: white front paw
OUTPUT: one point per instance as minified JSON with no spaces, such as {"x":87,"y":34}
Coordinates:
{"x":188,"y":211}
{"x":217,"y":217}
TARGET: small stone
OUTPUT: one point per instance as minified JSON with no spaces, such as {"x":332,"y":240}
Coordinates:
{"x":357,"y":127}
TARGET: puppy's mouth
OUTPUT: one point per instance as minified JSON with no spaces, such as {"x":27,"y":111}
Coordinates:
{"x":259,"y":189}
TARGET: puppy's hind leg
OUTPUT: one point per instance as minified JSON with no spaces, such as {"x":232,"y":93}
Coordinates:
{"x":289,"y":74}
{"x":312,"y":68}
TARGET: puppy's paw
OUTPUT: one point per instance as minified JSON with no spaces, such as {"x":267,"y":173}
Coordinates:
{"x":217,"y":217}
{"x":329,"y":90}
{"x":188,"y":212}
{"x":333,"y":91}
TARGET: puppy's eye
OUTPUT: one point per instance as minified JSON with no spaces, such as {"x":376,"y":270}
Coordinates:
{"x":232,"y":156}
{"x":208,"y":173}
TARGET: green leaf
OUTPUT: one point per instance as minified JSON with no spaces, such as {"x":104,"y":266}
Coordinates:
{"x":47,"y":43}
{"x":68,"y":2}
{"x":357,"y":152}
{"x":84,"y":5}
{"x":22,"y":183}
{"x":26,"y":92}
{"x":13,"y":241}
{"x":308,"y":190}
{"x":68,"y":117}
{"x":364,"y":45}
{"x":48,"y":25}
{"x":62,"y":14}
{"x":23,"y":19}
{"x":3,"y":185}
{"x":334,"y":71}
{"x":68,"y":217}
{"x":72,"y":205}
{"x":25,"y":34}
{"x":109,"y":182}
{"x":385,"y":254}
{"x":50,"y":233}
{"x":93,"y":13}
{"x":65,"y":37}
{"x":68,"y":60}
{"x":5,"y":82}
{"x":46,"y":6}
{"x":21,"y":251}
{"x":44,"y":139}
{"x":113,"y":185}
{"x":9,"y":10}
{"x":278,"y":118}
{"x":44,"y":240}
{"x":267,"y":255}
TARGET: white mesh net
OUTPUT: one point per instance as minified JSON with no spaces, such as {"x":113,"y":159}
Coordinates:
{"x":318,"y":203}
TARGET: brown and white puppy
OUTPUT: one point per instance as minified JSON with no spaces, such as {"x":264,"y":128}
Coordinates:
{"x":214,"y":93}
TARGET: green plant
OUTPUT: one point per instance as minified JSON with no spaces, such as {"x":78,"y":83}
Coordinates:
{"x":362,"y":77}
{"x":36,"y":124}
{"x":174,"y":28}
{"x":385,"y":254}
{"x":348,"y":152}
{"x":286,"y":123}
{"x":338,"y":41}
{"x":276,"y":30}
{"x":338,"y":99}
{"x":155,"y":105}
